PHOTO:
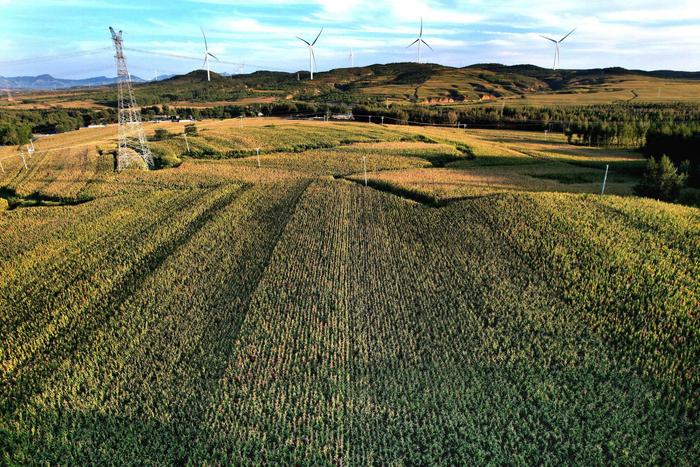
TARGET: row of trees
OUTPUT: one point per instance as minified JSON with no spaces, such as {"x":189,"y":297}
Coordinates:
{"x":53,"y":120}
{"x":608,"y":134}
{"x":618,"y":125}
{"x":284,"y":108}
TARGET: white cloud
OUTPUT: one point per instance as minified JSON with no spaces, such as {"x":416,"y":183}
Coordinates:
{"x":632,"y":33}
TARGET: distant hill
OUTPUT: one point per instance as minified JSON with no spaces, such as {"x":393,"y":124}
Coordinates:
{"x":430,"y":84}
{"x":47,"y":82}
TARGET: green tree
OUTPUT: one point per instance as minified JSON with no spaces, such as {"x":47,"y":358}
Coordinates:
{"x":661,"y":180}
{"x":15,"y":133}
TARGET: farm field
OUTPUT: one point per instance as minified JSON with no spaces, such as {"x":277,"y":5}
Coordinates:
{"x":477,"y":302}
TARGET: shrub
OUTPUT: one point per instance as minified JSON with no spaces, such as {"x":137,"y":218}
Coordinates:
{"x":661,"y":180}
{"x":164,"y":158}
{"x":191,"y":130}
{"x":162,"y":134}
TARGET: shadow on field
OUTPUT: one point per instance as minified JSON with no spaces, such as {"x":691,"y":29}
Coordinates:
{"x":83,"y":438}
{"x":37,"y":199}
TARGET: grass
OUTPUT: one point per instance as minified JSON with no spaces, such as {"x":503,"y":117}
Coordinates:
{"x":475,"y":304}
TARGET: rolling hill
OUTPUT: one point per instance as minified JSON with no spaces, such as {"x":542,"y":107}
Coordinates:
{"x":428,"y":84}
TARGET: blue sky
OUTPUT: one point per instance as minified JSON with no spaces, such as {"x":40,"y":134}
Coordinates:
{"x":70,"y":38}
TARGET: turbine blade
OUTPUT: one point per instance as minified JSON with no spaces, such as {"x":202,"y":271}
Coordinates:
{"x":319,"y":35}
{"x":549,"y":39}
{"x":206,"y":46}
{"x":305,"y":42}
{"x":214,"y":56}
{"x":571,"y":32}
{"x":413,"y":43}
{"x":426,"y":44}
{"x":313,"y":55}
{"x":421,"y":27}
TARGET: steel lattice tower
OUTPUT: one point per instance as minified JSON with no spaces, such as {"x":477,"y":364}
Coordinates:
{"x":133,"y":147}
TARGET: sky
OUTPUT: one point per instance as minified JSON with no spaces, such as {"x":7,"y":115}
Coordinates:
{"x":70,"y":38}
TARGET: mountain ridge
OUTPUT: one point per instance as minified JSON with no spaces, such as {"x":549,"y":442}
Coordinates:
{"x":406,"y":72}
{"x":47,"y":82}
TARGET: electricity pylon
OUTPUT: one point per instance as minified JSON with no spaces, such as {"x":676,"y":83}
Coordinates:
{"x":133,"y":147}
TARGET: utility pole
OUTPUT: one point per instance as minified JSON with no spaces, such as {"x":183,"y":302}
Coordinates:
{"x":605,"y":179}
{"x":132,"y":140}
{"x":187,"y":143}
{"x":364,"y":163}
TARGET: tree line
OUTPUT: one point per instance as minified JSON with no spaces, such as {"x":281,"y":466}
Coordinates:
{"x":17,"y":126}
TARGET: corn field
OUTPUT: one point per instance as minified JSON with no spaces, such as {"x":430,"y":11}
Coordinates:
{"x":221,"y":313}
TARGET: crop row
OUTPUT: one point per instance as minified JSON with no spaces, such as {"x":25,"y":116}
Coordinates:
{"x":385,"y":332}
{"x":629,"y":267}
{"x":155,"y":333}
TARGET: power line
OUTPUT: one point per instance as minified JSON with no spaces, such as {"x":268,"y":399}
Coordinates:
{"x":199,"y":59}
{"x":48,"y":58}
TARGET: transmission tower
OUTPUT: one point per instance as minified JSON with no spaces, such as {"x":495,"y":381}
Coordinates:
{"x":133,"y":148}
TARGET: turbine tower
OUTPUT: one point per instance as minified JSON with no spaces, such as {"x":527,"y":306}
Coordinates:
{"x":207,"y":54}
{"x":312,"y":55}
{"x":351,"y":58}
{"x":556,"y":47}
{"x":420,"y":40}
{"x":133,"y":147}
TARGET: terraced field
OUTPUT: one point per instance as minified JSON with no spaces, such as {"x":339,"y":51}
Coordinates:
{"x":476,"y":303}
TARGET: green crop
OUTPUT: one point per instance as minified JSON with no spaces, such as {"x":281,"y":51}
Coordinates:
{"x":220,"y":313}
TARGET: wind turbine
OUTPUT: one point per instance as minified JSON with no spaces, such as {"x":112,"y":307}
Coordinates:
{"x":207,"y":54}
{"x":351,"y":57}
{"x":420,"y":40}
{"x":312,"y":55}
{"x":556,"y":47}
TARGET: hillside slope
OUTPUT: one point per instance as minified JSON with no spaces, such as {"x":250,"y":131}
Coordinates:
{"x":402,"y":83}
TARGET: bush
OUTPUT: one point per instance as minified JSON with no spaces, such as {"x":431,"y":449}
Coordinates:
{"x":191,"y":130}
{"x":165,"y":158}
{"x":162,"y":134}
{"x":661,"y":180}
